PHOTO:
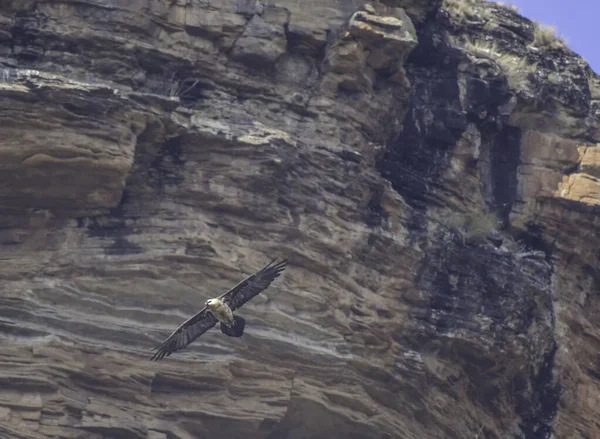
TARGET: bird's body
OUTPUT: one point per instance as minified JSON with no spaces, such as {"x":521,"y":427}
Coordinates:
{"x":231,"y":325}
{"x":220,"y":310}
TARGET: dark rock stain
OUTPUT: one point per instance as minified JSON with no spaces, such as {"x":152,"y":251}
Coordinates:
{"x":416,"y":159}
{"x":469,"y":285}
{"x":533,"y":239}
{"x":538,"y":412}
{"x":113,"y":226}
{"x":27,"y":46}
{"x":164,"y":167}
{"x":465,"y":286}
{"x":505,"y":158}
{"x":375,"y":214}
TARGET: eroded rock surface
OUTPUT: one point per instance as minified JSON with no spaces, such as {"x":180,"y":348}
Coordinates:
{"x":435,"y":194}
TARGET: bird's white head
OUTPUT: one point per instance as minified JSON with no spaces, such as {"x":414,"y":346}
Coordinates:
{"x":211,"y":303}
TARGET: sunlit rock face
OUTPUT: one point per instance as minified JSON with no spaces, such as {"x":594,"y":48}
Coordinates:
{"x":430,"y":170}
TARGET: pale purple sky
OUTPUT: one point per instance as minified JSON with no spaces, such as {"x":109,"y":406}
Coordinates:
{"x":576,"y":20}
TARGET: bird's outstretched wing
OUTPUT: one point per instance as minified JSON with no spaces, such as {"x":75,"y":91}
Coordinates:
{"x":253,"y":285}
{"x":187,"y":332}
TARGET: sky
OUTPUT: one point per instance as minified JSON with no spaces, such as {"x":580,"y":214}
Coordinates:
{"x":575,"y":20}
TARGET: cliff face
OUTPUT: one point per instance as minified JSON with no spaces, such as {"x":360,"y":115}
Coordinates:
{"x":431,"y":171}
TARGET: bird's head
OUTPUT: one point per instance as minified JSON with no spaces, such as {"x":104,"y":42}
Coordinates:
{"x":212,"y":302}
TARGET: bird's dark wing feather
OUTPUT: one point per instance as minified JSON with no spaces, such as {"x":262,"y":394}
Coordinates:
{"x":187,"y":332}
{"x":253,"y":285}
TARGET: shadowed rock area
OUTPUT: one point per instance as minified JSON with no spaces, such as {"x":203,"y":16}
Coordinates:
{"x":430,"y":168}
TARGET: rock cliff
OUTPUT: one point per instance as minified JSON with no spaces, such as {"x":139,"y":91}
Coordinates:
{"x":430,"y":168}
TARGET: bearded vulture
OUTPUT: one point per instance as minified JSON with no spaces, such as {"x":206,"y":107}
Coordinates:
{"x":220,"y":310}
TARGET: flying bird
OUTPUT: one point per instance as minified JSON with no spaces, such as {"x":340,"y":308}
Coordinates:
{"x":220,"y":310}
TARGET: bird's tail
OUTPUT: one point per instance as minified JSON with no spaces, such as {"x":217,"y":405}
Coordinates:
{"x":237,"y":330}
